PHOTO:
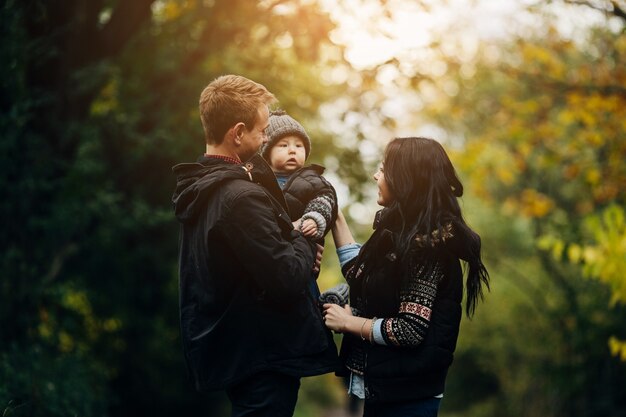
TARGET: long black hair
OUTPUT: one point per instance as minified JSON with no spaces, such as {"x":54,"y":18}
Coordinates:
{"x":425,"y":188}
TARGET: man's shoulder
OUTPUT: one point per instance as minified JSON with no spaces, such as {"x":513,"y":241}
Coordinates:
{"x":241,"y":187}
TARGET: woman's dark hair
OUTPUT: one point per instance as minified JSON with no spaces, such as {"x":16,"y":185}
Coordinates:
{"x":425,"y":188}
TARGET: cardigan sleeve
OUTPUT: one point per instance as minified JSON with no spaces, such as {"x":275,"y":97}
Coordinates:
{"x":417,"y":297}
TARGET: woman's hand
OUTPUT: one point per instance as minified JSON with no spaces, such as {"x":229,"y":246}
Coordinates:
{"x":318,"y":258}
{"x":337,"y":318}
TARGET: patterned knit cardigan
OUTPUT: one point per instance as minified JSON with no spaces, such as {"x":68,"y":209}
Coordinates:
{"x":416,"y":289}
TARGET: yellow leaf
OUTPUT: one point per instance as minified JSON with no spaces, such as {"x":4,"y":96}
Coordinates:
{"x":574,"y":253}
{"x":618,"y":348}
{"x":593,"y":176}
{"x":535,"y":204}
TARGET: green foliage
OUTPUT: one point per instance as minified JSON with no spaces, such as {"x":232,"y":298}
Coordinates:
{"x":37,"y":384}
{"x":525,"y":352}
{"x":605,"y":259}
{"x":543,"y":129}
{"x":99,"y":101}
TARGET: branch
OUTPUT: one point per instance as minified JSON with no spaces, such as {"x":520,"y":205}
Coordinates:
{"x":618,"y":11}
{"x":536,"y":296}
{"x":586,"y":4}
{"x":615,"y":10}
{"x":275,"y":3}
{"x":205,"y":45}
{"x":605,"y":90}
{"x":125,"y":21}
{"x":557,"y":277}
{"x":58,"y":261}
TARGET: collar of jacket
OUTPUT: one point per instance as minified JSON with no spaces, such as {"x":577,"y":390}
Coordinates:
{"x":195,"y":181}
{"x":260,"y":172}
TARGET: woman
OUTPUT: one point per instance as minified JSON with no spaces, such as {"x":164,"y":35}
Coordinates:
{"x":406,"y":283}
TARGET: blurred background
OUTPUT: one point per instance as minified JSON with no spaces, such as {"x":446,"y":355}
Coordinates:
{"x":99,"y":100}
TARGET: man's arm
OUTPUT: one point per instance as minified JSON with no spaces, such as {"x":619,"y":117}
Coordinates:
{"x":280,"y":266}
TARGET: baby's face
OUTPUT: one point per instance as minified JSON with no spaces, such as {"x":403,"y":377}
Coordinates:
{"x":288,"y":154}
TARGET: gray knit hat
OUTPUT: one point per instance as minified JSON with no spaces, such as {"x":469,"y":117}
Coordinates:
{"x":281,"y":125}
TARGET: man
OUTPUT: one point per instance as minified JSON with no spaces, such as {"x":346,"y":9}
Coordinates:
{"x":249,"y":323}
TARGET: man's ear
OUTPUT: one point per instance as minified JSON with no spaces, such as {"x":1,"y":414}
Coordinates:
{"x":237,"y":132}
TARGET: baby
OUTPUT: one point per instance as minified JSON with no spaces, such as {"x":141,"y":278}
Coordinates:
{"x":311,"y":199}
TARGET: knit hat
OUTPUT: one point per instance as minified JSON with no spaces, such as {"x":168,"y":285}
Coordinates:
{"x":281,"y":125}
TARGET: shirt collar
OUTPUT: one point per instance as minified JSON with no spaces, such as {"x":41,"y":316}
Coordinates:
{"x":228,"y":159}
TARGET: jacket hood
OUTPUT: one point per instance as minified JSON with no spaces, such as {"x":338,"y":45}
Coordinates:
{"x":196,"y":181}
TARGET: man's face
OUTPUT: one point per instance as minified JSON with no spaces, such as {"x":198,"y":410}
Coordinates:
{"x":253,"y":139}
{"x":288,"y":154}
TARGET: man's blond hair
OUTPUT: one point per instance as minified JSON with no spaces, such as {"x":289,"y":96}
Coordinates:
{"x":228,"y":100}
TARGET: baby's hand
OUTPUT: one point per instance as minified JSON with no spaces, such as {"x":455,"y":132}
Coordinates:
{"x":308,"y":227}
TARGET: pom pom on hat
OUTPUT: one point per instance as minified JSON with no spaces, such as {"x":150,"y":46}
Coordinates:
{"x":281,"y":125}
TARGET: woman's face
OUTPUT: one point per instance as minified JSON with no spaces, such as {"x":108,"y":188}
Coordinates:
{"x":385,"y":197}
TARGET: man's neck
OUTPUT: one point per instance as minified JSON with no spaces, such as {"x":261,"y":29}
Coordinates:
{"x":220,"y":150}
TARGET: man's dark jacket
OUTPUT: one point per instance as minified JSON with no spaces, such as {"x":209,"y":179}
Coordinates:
{"x":245,"y":306}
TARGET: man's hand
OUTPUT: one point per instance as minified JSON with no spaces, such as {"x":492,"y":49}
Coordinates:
{"x":318,"y":258}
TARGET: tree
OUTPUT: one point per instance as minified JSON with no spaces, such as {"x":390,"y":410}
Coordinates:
{"x":98,"y":102}
{"x":542,"y":124}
